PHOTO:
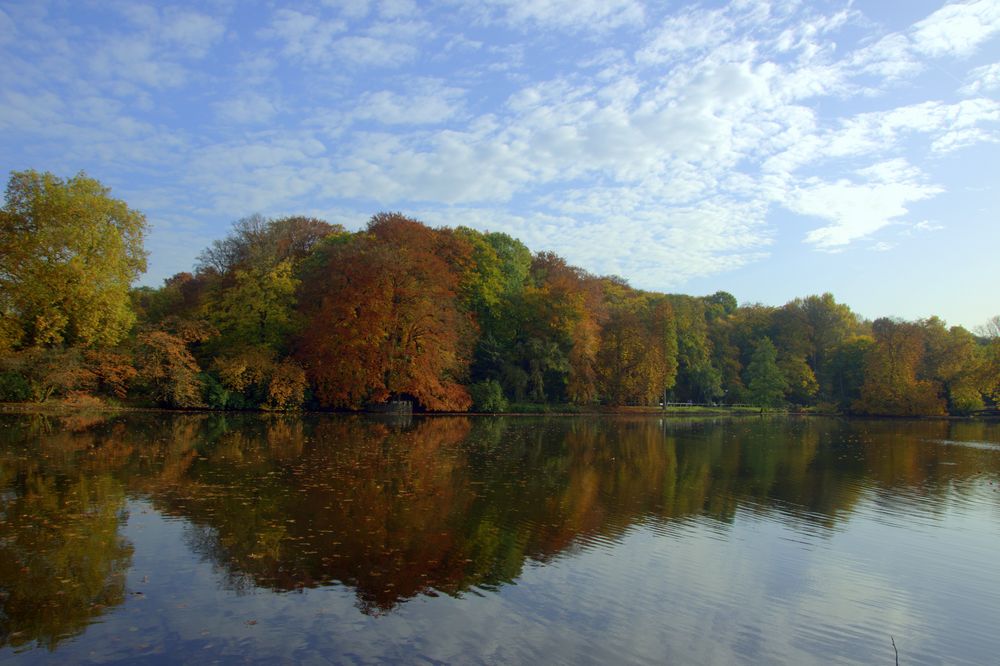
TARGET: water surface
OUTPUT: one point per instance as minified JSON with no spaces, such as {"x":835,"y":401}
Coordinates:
{"x":151,"y":538}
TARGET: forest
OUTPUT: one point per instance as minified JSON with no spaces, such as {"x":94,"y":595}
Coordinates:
{"x":295,"y":313}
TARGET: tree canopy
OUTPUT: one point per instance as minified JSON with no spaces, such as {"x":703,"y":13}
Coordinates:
{"x":69,"y":252}
{"x":293,"y":312}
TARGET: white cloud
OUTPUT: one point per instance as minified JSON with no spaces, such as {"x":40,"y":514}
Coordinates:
{"x":351,"y":9}
{"x":983,"y":79}
{"x":957,"y":29}
{"x":429,"y":103}
{"x":395,"y":9}
{"x":948,"y":126}
{"x":304,"y":35}
{"x":574,"y":15}
{"x":694,"y":29}
{"x":891,"y":58}
{"x":372,"y":51}
{"x":882,"y":246}
{"x":856,"y":210}
{"x":318,"y":40}
{"x":192,"y":32}
{"x":249,"y":108}
{"x":675,"y":132}
{"x":136,"y":59}
{"x":259,"y":174}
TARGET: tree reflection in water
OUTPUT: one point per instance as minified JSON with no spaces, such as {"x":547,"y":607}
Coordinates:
{"x":422,"y":507}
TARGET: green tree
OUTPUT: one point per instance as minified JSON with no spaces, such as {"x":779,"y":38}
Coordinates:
{"x":764,"y":378}
{"x":68,"y":254}
{"x":256,"y":310}
{"x":847,"y":370}
{"x":697,"y":378}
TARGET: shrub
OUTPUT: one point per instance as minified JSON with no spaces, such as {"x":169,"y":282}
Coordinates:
{"x":14,"y":387}
{"x":487,"y":396}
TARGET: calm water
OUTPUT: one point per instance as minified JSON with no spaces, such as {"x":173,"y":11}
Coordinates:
{"x":207,"y":538}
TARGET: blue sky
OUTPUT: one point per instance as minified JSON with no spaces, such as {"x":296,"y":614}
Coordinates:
{"x":771,"y":149}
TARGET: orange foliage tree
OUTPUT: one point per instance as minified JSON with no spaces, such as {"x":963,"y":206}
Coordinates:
{"x":383,"y":319}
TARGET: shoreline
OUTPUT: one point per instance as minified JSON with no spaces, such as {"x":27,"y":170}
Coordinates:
{"x":61,"y":408}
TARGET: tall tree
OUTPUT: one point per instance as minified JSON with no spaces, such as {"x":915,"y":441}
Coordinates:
{"x":68,"y":254}
{"x":847,"y":370}
{"x":954,"y":360}
{"x":637,"y":360}
{"x":383,"y":318}
{"x":892,"y":384}
{"x":764,"y":378}
{"x":697,"y":378}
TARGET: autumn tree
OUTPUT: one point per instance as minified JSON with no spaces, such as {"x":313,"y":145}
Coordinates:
{"x":892,"y":384}
{"x":383,"y":318}
{"x":990,"y":341}
{"x":68,"y":253}
{"x":258,"y":240}
{"x":181,"y":295}
{"x":167,"y":369}
{"x":252,"y":279}
{"x":991,"y":329}
{"x":955,"y":362}
{"x":558,"y":317}
{"x":637,"y":359}
{"x":250,"y":282}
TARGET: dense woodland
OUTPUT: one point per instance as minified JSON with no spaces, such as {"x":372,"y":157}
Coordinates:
{"x":295,"y":313}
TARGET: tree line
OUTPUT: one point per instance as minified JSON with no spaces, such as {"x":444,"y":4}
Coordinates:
{"x":293,"y":312}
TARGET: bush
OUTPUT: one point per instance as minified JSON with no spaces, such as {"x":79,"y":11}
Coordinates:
{"x":487,"y":396}
{"x":14,"y":387}
{"x":965,"y":400}
{"x":215,"y":395}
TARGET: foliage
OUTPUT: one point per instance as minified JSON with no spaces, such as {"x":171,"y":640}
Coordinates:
{"x":637,"y":360}
{"x":765,"y":380}
{"x":384,"y":319}
{"x":698,"y":379}
{"x":253,"y":378}
{"x":847,"y":370}
{"x":166,"y":366}
{"x":259,"y":241}
{"x":893,"y":383}
{"x":54,"y":372}
{"x":292,"y":311}
{"x":487,"y":396}
{"x":257,"y":309}
{"x":113,"y":371}
{"x":14,"y":387}
{"x":68,"y":253}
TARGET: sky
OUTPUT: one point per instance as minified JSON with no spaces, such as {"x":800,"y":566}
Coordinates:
{"x":771,"y":149}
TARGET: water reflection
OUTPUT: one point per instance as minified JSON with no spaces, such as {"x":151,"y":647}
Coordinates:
{"x":401,"y":509}
{"x":62,"y":561}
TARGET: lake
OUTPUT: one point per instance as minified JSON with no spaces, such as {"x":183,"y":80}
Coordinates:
{"x":201,"y":538}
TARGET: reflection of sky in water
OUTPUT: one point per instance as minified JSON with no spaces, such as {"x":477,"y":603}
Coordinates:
{"x":757,"y":590}
{"x":983,"y":446}
{"x":723,"y":543}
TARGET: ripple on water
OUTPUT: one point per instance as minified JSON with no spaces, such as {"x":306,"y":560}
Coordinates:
{"x":970,"y":444}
